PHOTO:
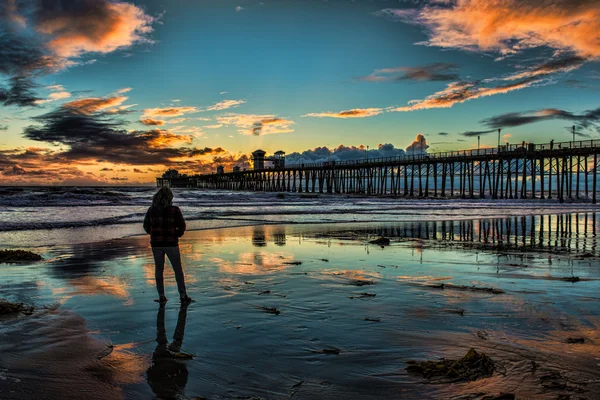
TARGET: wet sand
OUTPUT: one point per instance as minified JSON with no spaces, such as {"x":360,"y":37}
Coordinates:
{"x":312,"y":311}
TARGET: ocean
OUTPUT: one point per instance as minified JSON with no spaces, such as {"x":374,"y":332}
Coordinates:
{"x":47,"y":216}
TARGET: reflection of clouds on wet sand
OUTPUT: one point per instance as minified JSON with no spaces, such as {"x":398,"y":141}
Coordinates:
{"x":254,"y":263}
{"x":54,"y":354}
{"x":169,"y":275}
{"x":90,"y":286}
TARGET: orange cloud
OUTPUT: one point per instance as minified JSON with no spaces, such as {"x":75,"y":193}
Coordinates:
{"x":159,"y":138}
{"x":354,"y":113}
{"x":509,"y":26}
{"x":459,"y":92}
{"x":54,"y":96}
{"x":152,"y":122}
{"x":167,"y":112}
{"x":91,"y":105}
{"x":106,"y":27}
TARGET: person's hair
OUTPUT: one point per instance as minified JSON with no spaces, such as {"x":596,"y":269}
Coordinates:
{"x":163,"y":198}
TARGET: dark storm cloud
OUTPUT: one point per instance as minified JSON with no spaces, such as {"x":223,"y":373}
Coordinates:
{"x":20,"y":92}
{"x":588,"y":120}
{"x":443,"y":133}
{"x":477,"y":133}
{"x":96,"y":137}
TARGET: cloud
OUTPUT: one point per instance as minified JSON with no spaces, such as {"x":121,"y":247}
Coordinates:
{"x":168,"y":112}
{"x":152,"y":122}
{"x":459,"y":92}
{"x":419,"y":145}
{"x":354,"y":113}
{"x":477,"y":133}
{"x":54,"y":96}
{"x":56,"y":88}
{"x":443,"y":133}
{"x":343,"y":153}
{"x":578,"y":84}
{"x":239,"y":8}
{"x":95,"y":137}
{"x":90,"y":105}
{"x":586,"y":121}
{"x":21,"y":92}
{"x":138,"y":171}
{"x":565,"y":64}
{"x":40,"y":37}
{"x":508,"y":26}
{"x":216,"y":126}
{"x":124,"y":90}
{"x":3,"y":127}
{"x":252,"y":124}
{"x":91,"y":26}
{"x":225,"y":104}
{"x":430,"y":72}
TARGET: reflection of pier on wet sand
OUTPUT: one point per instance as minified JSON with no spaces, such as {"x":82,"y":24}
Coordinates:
{"x":577,"y":233}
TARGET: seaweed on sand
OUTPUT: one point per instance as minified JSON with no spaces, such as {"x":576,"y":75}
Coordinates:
{"x":17,"y":256}
{"x":471,"y":367}
{"x":269,"y":310}
{"x":381,"y":241}
{"x":6,"y":307}
{"x":444,"y":286}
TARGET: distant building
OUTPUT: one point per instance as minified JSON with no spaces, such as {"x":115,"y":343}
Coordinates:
{"x":172,"y":173}
{"x":278,"y":159}
{"x":220,"y":169}
{"x":258,"y":159}
{"x":236,"y":168}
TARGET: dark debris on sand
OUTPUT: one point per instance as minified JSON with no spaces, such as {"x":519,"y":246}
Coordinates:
{"x":6,"y":308}
{"x":471,"y":367}
{"x":363,"y":295}
{"x":328,"y":350}
{"x":360,"y":282}
{"x":380,"y":241}
{"x":17,"y":256}
{"x":445,"y":286}
{"x":270,"y":310}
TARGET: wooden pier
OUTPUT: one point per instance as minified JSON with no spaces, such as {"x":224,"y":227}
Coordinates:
{"x":561,"y":171}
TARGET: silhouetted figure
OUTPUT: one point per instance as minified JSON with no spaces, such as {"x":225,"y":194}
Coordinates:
{"x":168,"y":374}
{"x":552,"y":144}
{"x":165,"y":225}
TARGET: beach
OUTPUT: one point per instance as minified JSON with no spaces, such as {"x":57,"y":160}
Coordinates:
{"x":309,"y":310}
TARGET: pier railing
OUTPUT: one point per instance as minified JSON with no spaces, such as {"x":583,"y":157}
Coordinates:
{"x":506,"y":149}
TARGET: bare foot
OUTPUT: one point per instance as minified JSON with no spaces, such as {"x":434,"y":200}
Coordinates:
{"x":186,"y":299}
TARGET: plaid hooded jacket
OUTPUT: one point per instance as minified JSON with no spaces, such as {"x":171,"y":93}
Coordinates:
{"x":164,"y":225}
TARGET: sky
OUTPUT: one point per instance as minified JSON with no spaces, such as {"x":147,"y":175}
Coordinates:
{"x":101,"y":92}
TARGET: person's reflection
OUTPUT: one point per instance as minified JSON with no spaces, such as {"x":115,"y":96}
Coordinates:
{"x":168,"y":374}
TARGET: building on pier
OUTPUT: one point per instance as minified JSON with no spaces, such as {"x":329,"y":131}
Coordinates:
{"x":220,"y":169}
{"x":276,"y":161}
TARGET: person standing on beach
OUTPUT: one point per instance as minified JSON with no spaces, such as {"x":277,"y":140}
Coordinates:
{"x":165,"y":225}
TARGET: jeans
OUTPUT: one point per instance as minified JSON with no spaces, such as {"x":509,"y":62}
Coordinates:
{"x":159,"y":264}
